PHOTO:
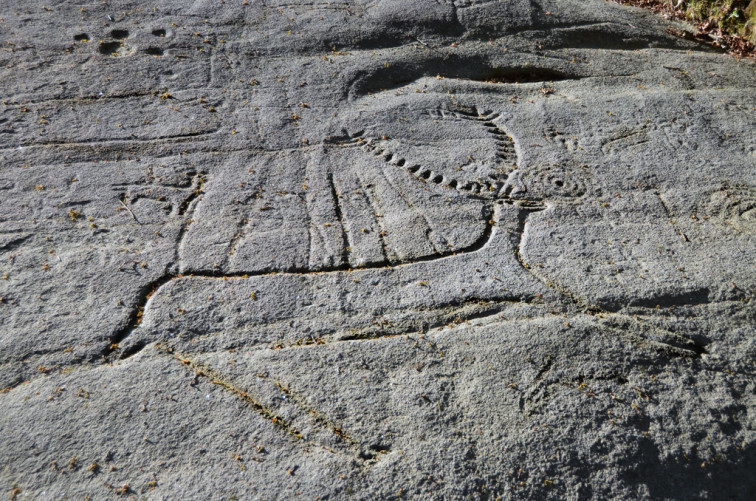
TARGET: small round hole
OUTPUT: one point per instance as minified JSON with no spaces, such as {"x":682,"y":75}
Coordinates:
{"x":453,"y":183}
{"x":153,"y":51}
{"x":81,"y":37}
{"x":559,"y":183}
{"x":414,"y":169}
{"x":426,"y":174}
{"x":400,"y":163}
{"x":119,"y":34}
{"x":159,"y":32}
{"x":109,"y":48}
{"x":438,"y":179}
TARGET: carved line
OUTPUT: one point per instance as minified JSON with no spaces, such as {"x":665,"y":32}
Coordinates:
{"x":345,"y":140}
{"x":349,"y":444}
{"x":135,"y":318}
{"x":668,"y":340}
{"x":113,"y":351}
{"x":340,"y":217}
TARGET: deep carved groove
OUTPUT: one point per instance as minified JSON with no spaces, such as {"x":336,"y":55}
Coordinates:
{"x":135,"y":317}
{"x":113,"y":351}
{"x":340,"y":219}
{"x":475,"y":68}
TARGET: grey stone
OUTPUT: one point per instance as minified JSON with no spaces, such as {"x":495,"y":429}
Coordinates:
{"x":426,"y":250}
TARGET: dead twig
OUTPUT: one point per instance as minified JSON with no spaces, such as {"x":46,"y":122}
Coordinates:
{"x":132,"y":214}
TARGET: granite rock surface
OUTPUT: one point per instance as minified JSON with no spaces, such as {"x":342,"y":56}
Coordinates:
{"x":372,"y":249}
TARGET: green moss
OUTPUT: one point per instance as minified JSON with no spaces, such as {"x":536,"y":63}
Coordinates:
{"x":734,"y":17}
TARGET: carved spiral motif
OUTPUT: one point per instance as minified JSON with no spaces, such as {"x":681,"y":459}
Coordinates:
{"x":554,"y":181}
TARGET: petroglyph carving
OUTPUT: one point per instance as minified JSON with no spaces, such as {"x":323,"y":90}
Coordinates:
{"x":355,"y":200}
{"x":734,"y":207}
